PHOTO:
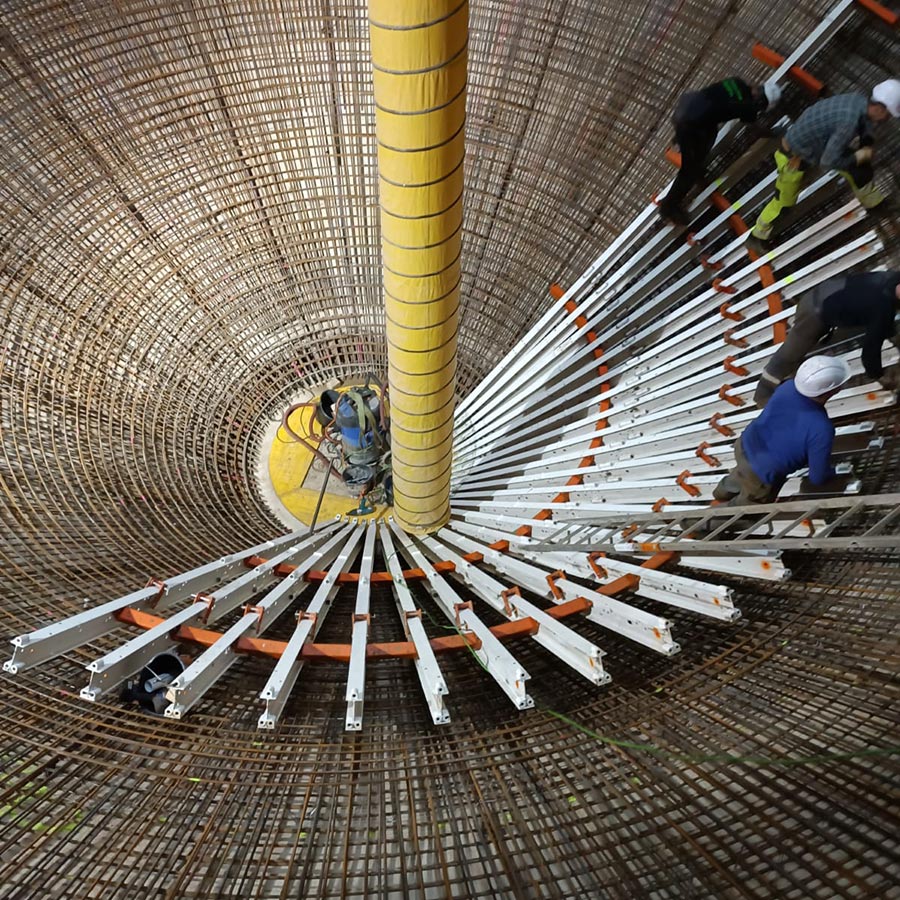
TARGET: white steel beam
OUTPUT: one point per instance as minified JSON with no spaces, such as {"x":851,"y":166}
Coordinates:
{"x":637,"y":230}
{"x":190,"y":686}
{"x":112,"y":668}
{"x":629,"y":621}
{"x":496,"y":660}
{"x":356,"y":672}
{"x":67,"y":634}
{"x":574,"y":650}
{"x":281,"y":682}
{"x":433,"y":685}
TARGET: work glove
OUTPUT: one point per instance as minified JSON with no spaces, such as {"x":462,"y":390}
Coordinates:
{"x":863,"y":155}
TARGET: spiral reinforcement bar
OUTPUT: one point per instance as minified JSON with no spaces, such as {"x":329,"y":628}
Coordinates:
{"x":559,"y":586}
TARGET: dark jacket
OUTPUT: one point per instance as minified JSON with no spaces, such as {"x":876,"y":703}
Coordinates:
{"x":862,"y":300}
{"x":718,"y":103}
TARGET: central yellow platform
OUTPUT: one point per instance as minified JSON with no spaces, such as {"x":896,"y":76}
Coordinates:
{"x":297,"y":474}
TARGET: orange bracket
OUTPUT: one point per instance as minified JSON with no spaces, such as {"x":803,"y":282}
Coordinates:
{"x":458,"y":607}
{"x":806,"y":80}
{"x":556,"y":292}
{"x":260,"y":612}
{"x":505,"y":595}
{"x":412,"y":614}
{"x":303,"y":614}
{"x":723,"y":289}
{"x":726,"y":313}
{"x":722,"y":429}
{"x":160,"y":586}
{"x":729,"y":398}
{"x":729,"y":366}
{"x":551,"y":580}
{"x":878,"y":10}
{"x":210,"y":603}
{"x":773,"y":302}
{"x":628,"y":531}
{"x":599,"y":571}
{"x":766,"y":277}
{"x":658,"y":506}
{"x":729,"y":338}
{"x":691,"y":489}
{"x":709,"y":266}
{"x":691,"y":241}
{"x":711,"y":461}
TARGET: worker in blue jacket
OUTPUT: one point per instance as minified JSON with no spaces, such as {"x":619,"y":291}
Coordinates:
{"x":793,"y":431}
{"x":697,"y":118}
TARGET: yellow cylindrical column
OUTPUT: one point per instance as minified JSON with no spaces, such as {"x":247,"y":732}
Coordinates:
{"x":419,"y":72}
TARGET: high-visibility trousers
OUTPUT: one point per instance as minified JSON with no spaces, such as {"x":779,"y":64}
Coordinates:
{"x":790,"y":181}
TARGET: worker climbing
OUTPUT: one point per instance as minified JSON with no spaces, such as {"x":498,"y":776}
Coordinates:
{"x":792,"y":431}
{"x":862,"y":299}
{"x":697,"y":118}
{"x":836,"y":133}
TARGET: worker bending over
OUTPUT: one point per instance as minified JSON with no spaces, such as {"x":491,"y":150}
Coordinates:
{"x":791,"y":432}
{"x":867,"y":300}
{"x":835,"y":133}
{"x":697,"y":118}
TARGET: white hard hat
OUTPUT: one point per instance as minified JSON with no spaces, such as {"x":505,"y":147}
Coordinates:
{"x":820,"y":374}
{"x":773,"y":92}
{"x":888,"y":93}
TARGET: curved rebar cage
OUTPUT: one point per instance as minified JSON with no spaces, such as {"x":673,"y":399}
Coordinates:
{"x":190,"y":237}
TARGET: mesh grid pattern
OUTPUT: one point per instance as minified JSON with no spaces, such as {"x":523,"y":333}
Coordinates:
{"x":189,"y":234}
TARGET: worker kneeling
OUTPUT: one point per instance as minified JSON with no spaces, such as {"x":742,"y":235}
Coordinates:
{"x":792,"y":431}
{"x":867,"y":300}
{"x":835,"y":133}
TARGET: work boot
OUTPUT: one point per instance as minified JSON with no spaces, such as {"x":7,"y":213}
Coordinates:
{"x":884,"y":209}
{"x":758,"y":246}
{"x":674,"y":214}
{"x":723,"y":494}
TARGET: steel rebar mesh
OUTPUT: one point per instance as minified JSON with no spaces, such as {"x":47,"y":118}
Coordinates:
{"x":189,"y":234}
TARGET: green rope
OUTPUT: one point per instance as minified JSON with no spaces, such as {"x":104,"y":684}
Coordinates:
{"x":455,"y":627}
{"x":724,"y":757}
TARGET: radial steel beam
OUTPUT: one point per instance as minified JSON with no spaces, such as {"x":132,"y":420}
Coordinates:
{"x":496,"y":660}
{"x":571,"y":648}
{"x":113,"y":667}
{"x":359,"y":635}
{"x":433,"y":685}
{"x":190,"y":686}
{"x":67,"y":634}
{"x":281,"y":682}
{"x":614,"y":615}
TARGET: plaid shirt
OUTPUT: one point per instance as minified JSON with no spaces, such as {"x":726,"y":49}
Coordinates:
{"x":824,"y":132}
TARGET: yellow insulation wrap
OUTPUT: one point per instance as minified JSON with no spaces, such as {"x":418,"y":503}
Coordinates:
{"x":419,"y":74}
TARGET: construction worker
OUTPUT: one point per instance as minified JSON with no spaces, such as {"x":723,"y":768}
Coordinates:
{"x":791,"y":432}
{"x":835,"y":133}
{"x":697,"y":118}
{"x":864,"y":299}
